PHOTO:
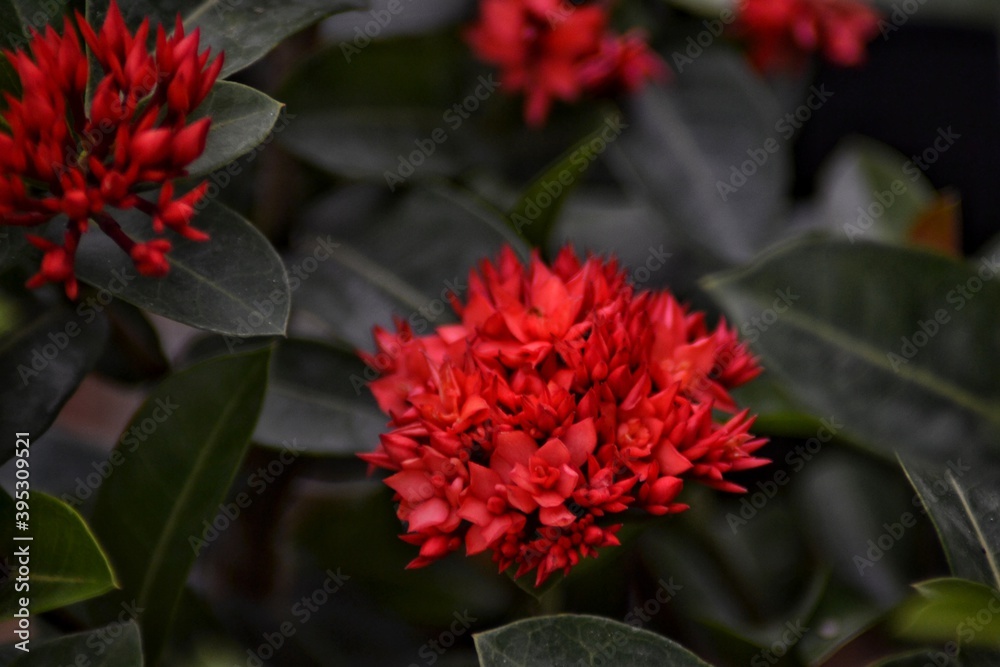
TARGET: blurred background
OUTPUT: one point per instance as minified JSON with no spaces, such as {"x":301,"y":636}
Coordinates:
{"x":374,"y":226}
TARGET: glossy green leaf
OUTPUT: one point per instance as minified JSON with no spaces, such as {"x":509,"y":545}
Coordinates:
{"x":683,"y":142}
{"x":578,"y":640}
{"x":539,"y":206}
{"x":116,"y":645}
{"x":180,"y":454}
{"x":234,"y":283}
{"x":961,"y":497}
{"x":318,"y":399}
{"x":242,"y":118}
{"x":67,"y":564}
{"x":349,"y":286}
{"x":877,"y":337}
{"x":246,"y":31}
{"x":947,"y":609}
{"x":41,"y":365}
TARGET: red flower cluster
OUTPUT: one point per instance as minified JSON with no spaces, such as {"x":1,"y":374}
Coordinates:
{"x":780,"y":33}
{"x":561,"y":398}
{"x":60,"y":157}
{"x":551,"y":49}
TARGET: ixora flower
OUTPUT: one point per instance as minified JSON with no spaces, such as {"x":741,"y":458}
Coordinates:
{"x":779,"y":33}
{"x":60,"y":156}
{"x":554,"y":50}
{"x":562,"y":398}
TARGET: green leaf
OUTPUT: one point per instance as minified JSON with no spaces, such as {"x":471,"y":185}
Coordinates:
{"x":375,"y":277}
{"x":363,"y":514}
{"x":844,"y":341}
{"x":246,"y":31}
{"x":840,"y":617}
{"x":117,"y":645}
{"x":965,"y":508}
{"x":318,"y":399}
{"x":866,"y":194}
{"x":685,"y":139}
{"x":946,"y":610}
{"x":233,"y":284}
{"x":41,"y":365}
{"x":67,"y":564}
{"x":538,"y":208}
{"x":868,"y":502}
{"x":578,"y":640}
{"x":777,"y":412}
{"x":195,"y":428}
{"x":242,"y":118}
{"x":918,"y":659}
{"x":368,"y":143}
{"x":358,"y":130}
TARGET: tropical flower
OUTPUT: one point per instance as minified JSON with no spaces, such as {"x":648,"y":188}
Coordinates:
{"x":60,"y":156}
{"x":561,"y":399}
{"x":780,"y":33}
{"x":553,"y":50}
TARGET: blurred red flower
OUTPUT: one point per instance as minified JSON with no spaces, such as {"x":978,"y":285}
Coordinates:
{"x":61,"y":156}
{"x":563,"y":396}
{"x":780,"y":33}
{"x":553,"y":50}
